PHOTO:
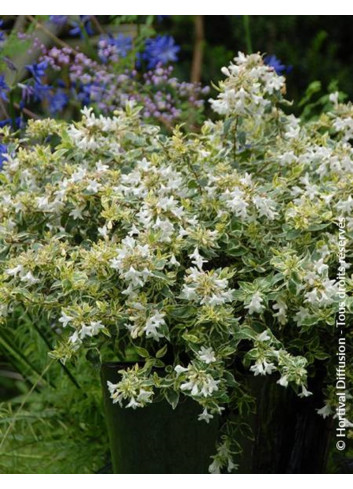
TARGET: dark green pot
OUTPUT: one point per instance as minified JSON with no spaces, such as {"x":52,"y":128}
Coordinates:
{"x":157,"y":439}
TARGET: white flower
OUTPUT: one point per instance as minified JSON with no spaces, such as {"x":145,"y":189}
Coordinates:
{"x":206,"y":287}
{"x":144,"y":396}
{"x":76,"y":213}
{"x":281,"y":306}
{"x":301,"y":315}
{"x":93,"y":186}
{"x":199,"y":383}
{"x":262,"y":367}
{"x":264,"y":336}
{"x":179,"y":369}
{"x":13,"y":272}
{"x":84,"y":331}
{"x":166,"y":229}
{"x":153,"y":323}
{"x":283,"y":381}
{"x":134,"y":276}
{"x":333,"y":97}
{"x":287,"y":158}
{"x":43,"y":203}
{"x":96,"y":326}
{"x":305,"y":392}
{"x":173,"y":261}
{"x":75,"y":338}
{"x":207,"y":355}
{"x":103,"y":231}
{"x":205,"y":416}
{"x":133,"y":404}
{"x":325,"y":411}
{"x":101,"y":168}
{"x":265,"y":206}
{"x":255,"y":304}
{"x":236,"y":202}
{"x":65,"y":319}
{"x":197,"y":259}
{"x":215,"y":467}
{"x":78,"y":175}
{"x":345,"y":206}
{"x":320,"y":266}
{"x":29,"y":278}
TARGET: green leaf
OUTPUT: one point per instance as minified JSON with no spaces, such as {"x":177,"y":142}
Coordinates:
{"x":245,"y":333}
{"x":172,"y":397}
{"x":160,"y":353}
{"x":192,"y":338}
{"x":142,"y":352}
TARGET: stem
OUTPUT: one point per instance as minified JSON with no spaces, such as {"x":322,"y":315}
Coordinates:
{"x":19,"y":23}
{"x":246,"y":23}
{"x":97,"y":24}
{"x":196,"y":68}
{"x":28,"y":112}
{"x":50,"y":34}
{"x":3,"y":109}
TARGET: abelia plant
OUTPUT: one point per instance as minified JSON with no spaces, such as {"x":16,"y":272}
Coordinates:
{"x":204,"y":259}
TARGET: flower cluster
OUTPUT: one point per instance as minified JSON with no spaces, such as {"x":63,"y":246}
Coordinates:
{"x":134,"y":386}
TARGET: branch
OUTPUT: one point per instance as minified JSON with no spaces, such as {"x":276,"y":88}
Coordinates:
{"x":196,"y":68}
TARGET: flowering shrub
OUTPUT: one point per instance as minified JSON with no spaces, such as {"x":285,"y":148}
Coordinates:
{"x":189,"y":252}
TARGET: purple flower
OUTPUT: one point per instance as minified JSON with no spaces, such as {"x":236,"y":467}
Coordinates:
{"x":160,"y":50}
{"x":110,"y":48}
{"x":3,"y":88}
{"x":276,"y":63}
{"x":58,"y":101}
{"x":59,"y":20}
{"x":37,"y":70}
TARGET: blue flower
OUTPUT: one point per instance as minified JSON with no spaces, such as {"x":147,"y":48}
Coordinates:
{"x":37,"y":70}
{"x":58,"y":101}
{"x":276,"y":63}
{"x":40,"y":91}
{"x":59,"y":20}
{"x":17,"y":123}
{"x":3,"y":88}
{"x":160,"y":50}
{"x":85,"y":23}
{"x":122,"y":43}
{"x":3,"y":154}
{"x":84,"y":94}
